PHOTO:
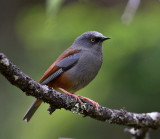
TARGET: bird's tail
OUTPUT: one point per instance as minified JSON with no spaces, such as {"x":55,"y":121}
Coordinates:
{"x":32,"y":109}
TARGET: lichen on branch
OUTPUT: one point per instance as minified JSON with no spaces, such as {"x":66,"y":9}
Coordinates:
{"x":58,"y":100}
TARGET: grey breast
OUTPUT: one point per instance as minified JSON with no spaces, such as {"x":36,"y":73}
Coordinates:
{"x":86,"y":69}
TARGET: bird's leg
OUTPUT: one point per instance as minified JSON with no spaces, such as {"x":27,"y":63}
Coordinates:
{"x":91,"y":101}
{"x":77,"y":97}
{"x":68,"y":93}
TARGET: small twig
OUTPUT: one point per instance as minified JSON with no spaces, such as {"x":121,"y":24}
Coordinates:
{"x":58,"y":100}
{"x":130,"y":11}
{"x":142,"y":133}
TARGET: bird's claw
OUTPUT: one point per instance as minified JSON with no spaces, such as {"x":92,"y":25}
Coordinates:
{"x":77,"y":97}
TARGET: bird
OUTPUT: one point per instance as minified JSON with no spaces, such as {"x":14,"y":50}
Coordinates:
{"x":74,"y":69}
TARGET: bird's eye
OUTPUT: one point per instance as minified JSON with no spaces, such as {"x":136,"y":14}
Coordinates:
{"x":92,"y":40}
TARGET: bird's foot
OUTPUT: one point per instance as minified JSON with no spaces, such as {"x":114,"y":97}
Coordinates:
{"x":77,"y":97}
{"x":74,"y":95}
{"x":91,"y":101}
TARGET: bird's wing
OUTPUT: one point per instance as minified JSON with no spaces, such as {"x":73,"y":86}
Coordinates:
{"x":64,"y":62}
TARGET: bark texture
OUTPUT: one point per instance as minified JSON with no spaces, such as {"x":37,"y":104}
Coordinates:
{"x":140,"y":123}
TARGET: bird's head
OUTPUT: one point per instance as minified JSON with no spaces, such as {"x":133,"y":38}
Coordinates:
{"x":90,"y":40}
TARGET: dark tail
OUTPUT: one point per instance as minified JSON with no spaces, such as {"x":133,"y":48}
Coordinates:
{"x":32,"y":109}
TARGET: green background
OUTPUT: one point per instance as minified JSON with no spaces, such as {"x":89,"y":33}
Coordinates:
{"x":129,"y":77}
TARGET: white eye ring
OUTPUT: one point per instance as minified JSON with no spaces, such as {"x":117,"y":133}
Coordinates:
{"x":92,"y":40}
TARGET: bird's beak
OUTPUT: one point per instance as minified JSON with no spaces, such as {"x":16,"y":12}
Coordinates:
{"x":105,"y":38}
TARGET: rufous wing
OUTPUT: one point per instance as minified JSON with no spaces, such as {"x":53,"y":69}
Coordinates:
{"x":65,"y":61}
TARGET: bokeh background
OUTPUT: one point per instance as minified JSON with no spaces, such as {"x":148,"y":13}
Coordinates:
{"x":34,"y":32}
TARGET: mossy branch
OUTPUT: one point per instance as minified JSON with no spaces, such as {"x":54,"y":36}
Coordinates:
{"x":140,"y":123}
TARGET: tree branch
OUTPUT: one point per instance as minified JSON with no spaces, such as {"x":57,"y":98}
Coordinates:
{"x":58,"y":100}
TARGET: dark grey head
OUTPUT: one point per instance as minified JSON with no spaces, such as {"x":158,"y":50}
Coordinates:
{"x":90,"y":40}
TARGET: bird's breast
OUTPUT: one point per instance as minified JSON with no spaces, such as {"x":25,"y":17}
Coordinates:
{"x":85,"y":70}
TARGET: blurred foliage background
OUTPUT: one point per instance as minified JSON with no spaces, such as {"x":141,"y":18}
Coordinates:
{"x":34,"y":32}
